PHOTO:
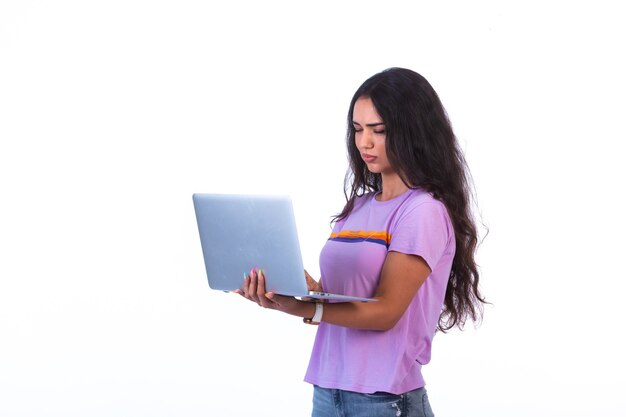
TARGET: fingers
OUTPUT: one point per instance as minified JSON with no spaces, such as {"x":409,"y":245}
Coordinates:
{"x":250,"y":285}
{"x":311,"y":284}
{"x":246,"y":285}
{"x":260,"y":290}
{"x":266,"y":299}
{"x":254,"y":288}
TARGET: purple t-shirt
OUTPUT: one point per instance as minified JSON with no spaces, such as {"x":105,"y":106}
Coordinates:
{"x":351,"y":262}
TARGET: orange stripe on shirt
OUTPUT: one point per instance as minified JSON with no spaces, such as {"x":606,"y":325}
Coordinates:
{"x":362,"y":236}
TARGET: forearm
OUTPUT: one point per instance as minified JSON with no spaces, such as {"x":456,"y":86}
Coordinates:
{"x":367,"y":316}
{"x":359,"y":315}
{"x":304,"y":309}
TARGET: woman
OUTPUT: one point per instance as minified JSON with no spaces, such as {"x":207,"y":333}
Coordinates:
{"x":405,"y":237}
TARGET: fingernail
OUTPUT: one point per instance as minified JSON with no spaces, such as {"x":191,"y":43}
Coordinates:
{"x":269,"y":295}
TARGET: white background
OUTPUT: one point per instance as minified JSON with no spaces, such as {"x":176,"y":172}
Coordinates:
{"x":112,"y":113}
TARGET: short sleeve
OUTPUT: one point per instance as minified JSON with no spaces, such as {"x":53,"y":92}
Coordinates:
{"x":424,"y":230}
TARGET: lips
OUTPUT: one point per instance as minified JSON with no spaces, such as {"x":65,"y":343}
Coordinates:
{"x":368,"y":158}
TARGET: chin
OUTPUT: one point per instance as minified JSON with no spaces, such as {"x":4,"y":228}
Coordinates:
{"x":373,"y":169}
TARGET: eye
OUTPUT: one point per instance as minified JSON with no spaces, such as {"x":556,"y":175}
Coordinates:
{"x":380,"y":131}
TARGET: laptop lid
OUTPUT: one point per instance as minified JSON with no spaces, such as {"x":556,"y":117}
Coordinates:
{"x":241,"y":232}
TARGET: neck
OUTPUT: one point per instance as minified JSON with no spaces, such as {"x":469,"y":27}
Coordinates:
{"x":392,"y":187}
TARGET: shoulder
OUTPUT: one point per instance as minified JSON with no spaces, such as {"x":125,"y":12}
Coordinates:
{"x":421,"y":200}
{"x":422,"y":227}
{"x":421,"y":208}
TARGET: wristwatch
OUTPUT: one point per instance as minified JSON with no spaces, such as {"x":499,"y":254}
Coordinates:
{"x":317,"y":317}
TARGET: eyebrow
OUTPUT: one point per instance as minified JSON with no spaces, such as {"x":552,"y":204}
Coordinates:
{"x":368,"y":124}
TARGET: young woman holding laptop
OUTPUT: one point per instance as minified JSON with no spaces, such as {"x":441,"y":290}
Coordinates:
{"x":406,"y":237}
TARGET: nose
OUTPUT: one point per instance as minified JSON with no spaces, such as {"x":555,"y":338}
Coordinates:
{"x":364,"y":139}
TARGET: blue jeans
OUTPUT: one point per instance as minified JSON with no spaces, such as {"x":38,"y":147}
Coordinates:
{"x":339,"y":403}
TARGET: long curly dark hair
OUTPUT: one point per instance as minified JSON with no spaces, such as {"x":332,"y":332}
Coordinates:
{"x":422,"y":147}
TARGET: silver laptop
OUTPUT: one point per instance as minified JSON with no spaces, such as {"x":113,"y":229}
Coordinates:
{"x":241,"y":232}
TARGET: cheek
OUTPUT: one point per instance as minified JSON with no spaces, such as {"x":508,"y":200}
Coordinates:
{"x":356,"y":140}
{"x":382,"y":150}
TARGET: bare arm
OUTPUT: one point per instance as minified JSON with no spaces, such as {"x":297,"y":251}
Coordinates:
{"x":402,"y":275}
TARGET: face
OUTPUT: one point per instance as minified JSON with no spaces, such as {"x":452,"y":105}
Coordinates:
{"x":370,"y":136}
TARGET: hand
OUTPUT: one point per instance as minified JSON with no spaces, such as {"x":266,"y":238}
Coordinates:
{"x":311,"y":284}
{"x":254,"y":290}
